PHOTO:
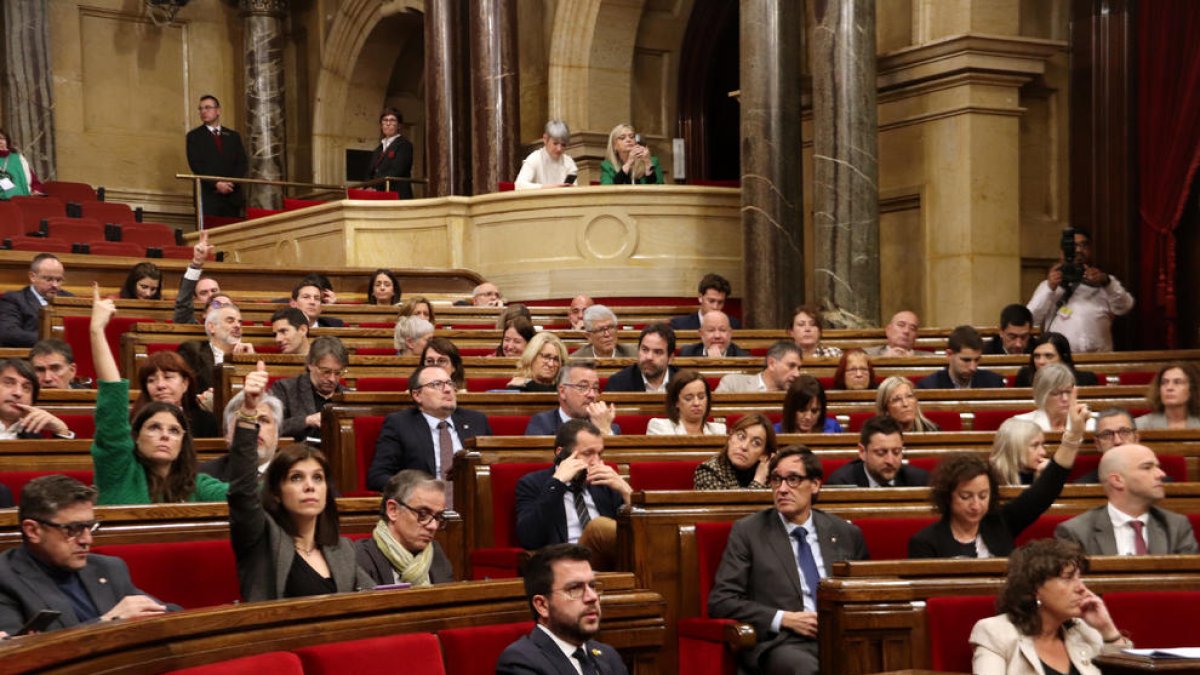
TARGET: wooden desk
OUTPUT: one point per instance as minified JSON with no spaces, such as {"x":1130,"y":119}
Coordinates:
{"x":1132,"y":664}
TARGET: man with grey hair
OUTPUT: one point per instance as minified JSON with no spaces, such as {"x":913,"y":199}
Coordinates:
{"x":1130,"y":523}
{"x":306,"y":394}
{"x":411,"y":335}
{"x":549,"y":166}
{"x":487,"y":294}
{"x":223,"y":326}
{"x":269,"y":412}
{"x":402,"y":549}
{"x":782,"y":368}
{"x":1114,"y":426}
{"x":21,"y":310}
{"x":578,"y":398}
{"x":601,"y":327}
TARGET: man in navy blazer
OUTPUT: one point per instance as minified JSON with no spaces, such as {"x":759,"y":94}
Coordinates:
{"x":880,"y":460}
{"x":716,"y":338}
{"x":565,"y":599}
{"x":52,"y":569}
{"x":578,"y":398}
{"x":21,"y":310}
{"x":714,"y":290}
{"x":964,"y":351}
{"x":410,"y":438}
{"x":215,"y":150}
{"x":550,"y":502}
{"x":656,"y":347}
{"x":308,"y":297}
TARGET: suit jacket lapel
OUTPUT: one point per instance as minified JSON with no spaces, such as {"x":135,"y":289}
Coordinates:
{"x":99,"y":588}
{"x":1159,"y":540}
{"x":45,"y":588}
{"x":779,"y":542}
{"x":1025,"y":646}
{"x":1106,"y":539}
{"x":553,"y":654}
{"x":831,"y":548}
{"x":424,"y":441}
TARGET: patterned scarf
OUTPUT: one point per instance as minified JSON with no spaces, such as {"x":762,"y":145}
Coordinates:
{"x":413,"y":569}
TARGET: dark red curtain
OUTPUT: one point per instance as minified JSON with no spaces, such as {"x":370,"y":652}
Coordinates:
{"x":1168,"y":150}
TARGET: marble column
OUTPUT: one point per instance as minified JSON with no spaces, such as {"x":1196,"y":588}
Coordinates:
{"x":265,"y":134}
{"x":845,"y":162}
{"x":447,"y":100}
{"x":28,"y":86}
{"x":772,"y":43}
{"x":494,"y":93}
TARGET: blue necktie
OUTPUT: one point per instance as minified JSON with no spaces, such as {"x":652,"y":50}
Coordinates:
{"x":808,"y":564}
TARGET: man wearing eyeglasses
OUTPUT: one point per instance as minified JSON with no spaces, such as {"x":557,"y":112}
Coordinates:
{"x":20,"y":310}
{"x":426,"y":436}
{"x":53,"y":570}
{"x":774,"y":562}
{"x":216,"y":150}
{"x":1114,"y":426}
{"x":306,"y":394}
{"x":197,"y":289}
{"x":564,"y":597}
{"x":578,"y":399}
{"x":601,"y":327}
{"x":402,"y":549}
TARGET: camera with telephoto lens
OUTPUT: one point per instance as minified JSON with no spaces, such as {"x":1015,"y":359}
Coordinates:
{"x":1072,"y":272}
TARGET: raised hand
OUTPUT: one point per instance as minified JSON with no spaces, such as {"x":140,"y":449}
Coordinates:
{"x":201,"y":250}
{"x":1077,"y":415}
{"x":103,"y":309}
{"x":253,"y":389}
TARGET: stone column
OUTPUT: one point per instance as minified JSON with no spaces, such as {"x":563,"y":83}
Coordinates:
{"x":28,"y":86}
{"x":266,"y":137}
{"x":494,"y":91}
{"x":772,"y":42}
{"x":845,"y":162}
{"x":447,"y":121}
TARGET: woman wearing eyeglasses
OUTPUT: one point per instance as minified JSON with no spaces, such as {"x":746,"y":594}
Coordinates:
{"x":1053,"y":391}
{"x":152,"y":460}
{"x":285,"y":539}
{"x":854,"y":371}
{"x":537,"y":369}
{"x":402,"y":549}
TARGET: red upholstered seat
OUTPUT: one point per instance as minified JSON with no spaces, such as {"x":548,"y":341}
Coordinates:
{"x":1155,"y":619}
{"x":633,"y":425}
{"x":188,"y":573}
{"x":662,"y":475}
{"x":117,"y":248}
{"x":775,"y":416}
{"x":16,"y":480}
{"x":475,"y":351}
{"x":508,"y":425}
{"x":157,"y":235}
{"x":109,"y":212}
{"x":1135,"y":377}
{"x":831,"y":464}
{"x":506,"y":186}
{"x":475,"y":650}
{"x":74,"y":230}
{"x":990,"y":420}
{"x":887,"y":538}
{"x":1175,"y":466}
{"x":274,"y":663}
{"x":366,"y":432}
{"x":374,"y":195}
{"x":1042,"y":528}
{"x":84,"y":426}
{"x":373,"y":351}
{"x":39,"y":244}
{"x":499,"y":561}
{"x":34,"y":209}
{"x":176,"y":252}
{"x":70,"y":192}
{"x":948,"y":420}
{"x":12,"y":223}
{"x":480,"y":384}
{"x":253,"y":212}
{"x":419,"y":653}
{"x":701,"y":644}
{"x":926,"y":463}
{"x":949,"y":621}
{"x":293,"y":204}
{"x":75,"y":333}
{"x":381,"y":383}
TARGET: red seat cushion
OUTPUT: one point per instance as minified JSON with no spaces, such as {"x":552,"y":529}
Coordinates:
{"x":702,"y":647}
{"x":293,"y":204}
{"x":366,"y":432}
{"x":948,"y":420}
{"x":831,"y":464}
{"x":69,"y":191}
{"x":1135,"y":377}
{"x":376,"y":195}
{"x":188,"y":573}
{"x":475,"y":650}
{"x":887,"y":538}
{"x":84,"y":426}
{"x":381,"y":383}
{"x":16,"y":480}
{"x":926,"y":463}
{"x":275,"y":663}
{"x":157,"y":235}
{"x":662,"y":475}
{"x":990,"y":420}
{"x":633,"y":425}
{"x":109,"y":212}
{"x":1042,"y":528}
{"x":253,"y":212}
{"x":500,"y":560}
{"x":1156,"y":619}
{"x":949,"y":621}
{"x":508,"y":425}
{"x":117,"y":248}
{"x":419,"y":652}
{"x":75,"y":333}
{"x":480,"y":384}
{"x":710,"y":547}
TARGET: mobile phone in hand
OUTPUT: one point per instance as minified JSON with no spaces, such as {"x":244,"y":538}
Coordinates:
{"x":40,"y":622}
{"x":570,"y":180}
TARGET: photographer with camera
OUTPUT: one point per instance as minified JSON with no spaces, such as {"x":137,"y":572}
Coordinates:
{"x":1078,"y":299}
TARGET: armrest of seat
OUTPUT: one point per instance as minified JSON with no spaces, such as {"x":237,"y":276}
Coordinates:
{"x":737,"y":636}
{"x":709,"y":646}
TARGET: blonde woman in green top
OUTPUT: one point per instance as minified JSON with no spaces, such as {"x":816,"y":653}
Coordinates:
{"x":151,"y":461}
{"x":628,"y":161}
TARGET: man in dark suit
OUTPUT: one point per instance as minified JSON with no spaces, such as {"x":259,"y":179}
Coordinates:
{"x":403,"y":549}
{"x":213,"y":150}
{"x":1131,"y":523}
{"x":656,"y":348}
{"x":716,"y":335}
{"x":393,"y":157}
{"x":964,"y":351}
{"x":714,"y":291}
{"x":52,"y":569}
{"x":565,"y":599}
{"x":1016,"y":327}
{"x":563,"y":503}
{"x":19,"y":389}
{"x":54,"y":362}
{"x":426,"y":436}
{"x":578,"y":398}
{"x":880,"y":460}
{"x":306,"y":394}
{"x":309,"y":297}
{"x":223,"y":326}
{"x":269,"y":413}
{"x":773,"y":563}
{"x":21,"y":310}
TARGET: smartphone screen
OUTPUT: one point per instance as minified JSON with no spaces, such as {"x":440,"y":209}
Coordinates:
{"x":40,"y":622}
{"x":570,"y":180}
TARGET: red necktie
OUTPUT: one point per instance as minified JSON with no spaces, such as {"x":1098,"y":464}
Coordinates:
{"x":1139,"y":542}
{"x":217,"y":139}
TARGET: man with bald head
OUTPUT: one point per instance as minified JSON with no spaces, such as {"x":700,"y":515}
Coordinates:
{"x":579,"y":305}
{"x":716,"y":338}
{"x":1130,"y":523}
{"x":901,"y":334}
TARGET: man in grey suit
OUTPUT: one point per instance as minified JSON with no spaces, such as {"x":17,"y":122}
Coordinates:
{"x":52,"y":569}
{"x":1130,"y":523}
{"x":773,"y":563}
{"x":782,"y":368}
{"x":306,"y":394}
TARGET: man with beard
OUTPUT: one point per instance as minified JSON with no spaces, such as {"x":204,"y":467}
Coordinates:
{"x":223,"y":325}
{"x":653,"y":369}
{"x":565,"y":599}
{"x":880,"y":460}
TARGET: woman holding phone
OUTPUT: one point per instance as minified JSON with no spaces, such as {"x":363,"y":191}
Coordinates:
{"x":629,"y":161}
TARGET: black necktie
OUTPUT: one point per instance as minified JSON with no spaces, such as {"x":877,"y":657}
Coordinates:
{"x":581,"y":508}
{"x":589,"y":666}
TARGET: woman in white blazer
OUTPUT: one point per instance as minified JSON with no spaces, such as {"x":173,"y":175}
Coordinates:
{"x":1049,"y":621}
{"x":689,"y":401}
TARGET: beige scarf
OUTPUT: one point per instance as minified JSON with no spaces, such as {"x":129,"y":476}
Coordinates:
{"x":413,"y":569}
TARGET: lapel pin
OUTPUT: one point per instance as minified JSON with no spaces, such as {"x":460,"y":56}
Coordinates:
{"x":103,"y":580}
{"x":595,"y":652}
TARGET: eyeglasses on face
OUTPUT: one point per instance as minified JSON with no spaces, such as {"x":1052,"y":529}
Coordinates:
{"x":332,"y":372}
{"x":424,"y":516}
{"x":1109,"y":434}
{"x":550,"y":358}
{"x":584,"y":387}
{"x":437,"y":384}
{"x":793,"y":480}
{"x":603,"y":330}
{"x":576,"y":591}
{"x":72,"y":530}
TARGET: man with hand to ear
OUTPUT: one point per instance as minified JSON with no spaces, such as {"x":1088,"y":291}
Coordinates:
{"x":19,"y":388}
